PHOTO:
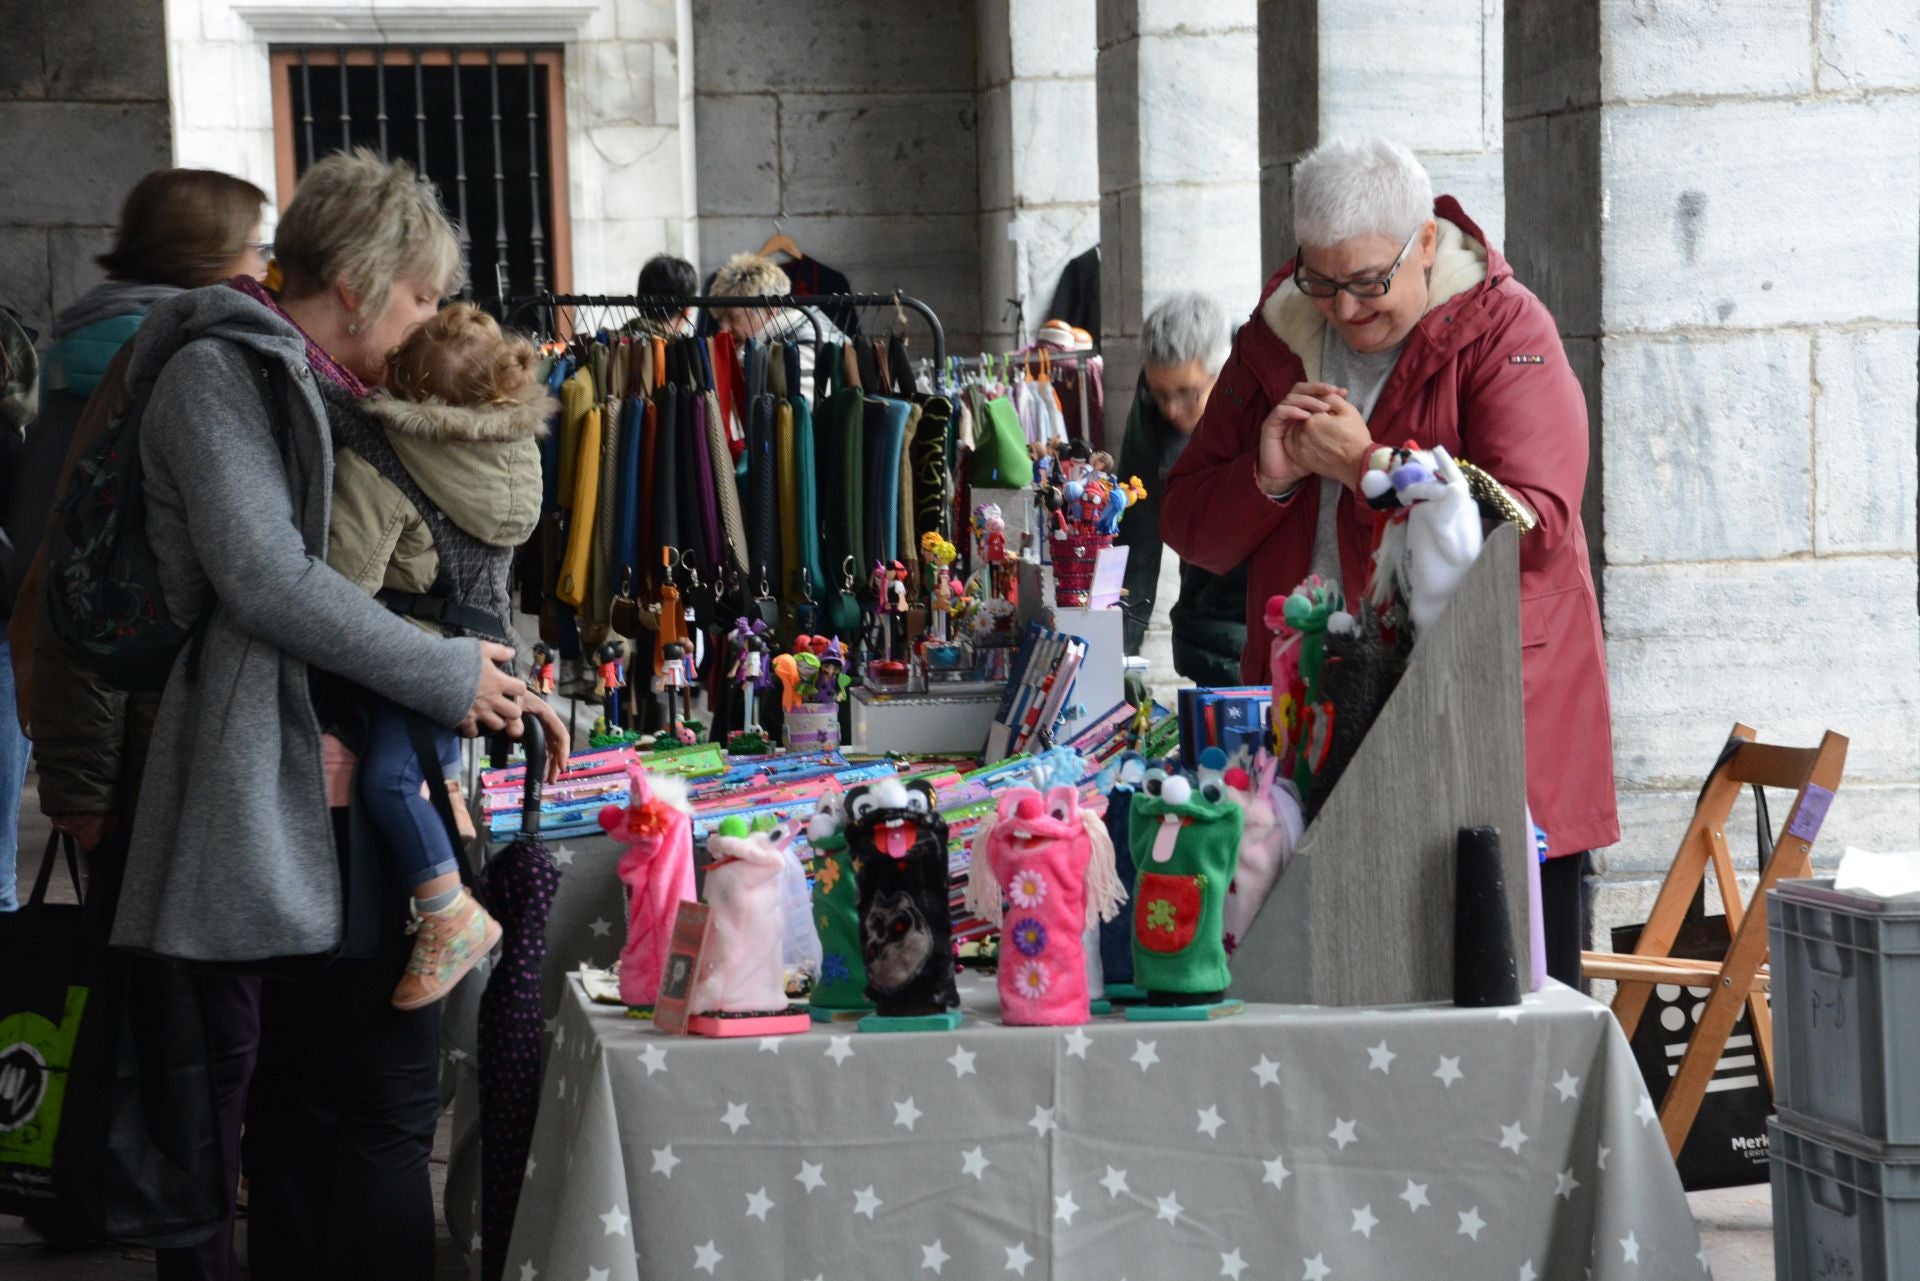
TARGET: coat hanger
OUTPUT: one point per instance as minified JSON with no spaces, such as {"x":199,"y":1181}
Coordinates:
{"x":780,"y":243}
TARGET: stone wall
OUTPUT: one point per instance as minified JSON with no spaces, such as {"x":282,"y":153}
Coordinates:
{"x":1721,"y":203}
{"x":854,"y":126}
{"x":83,"y":111}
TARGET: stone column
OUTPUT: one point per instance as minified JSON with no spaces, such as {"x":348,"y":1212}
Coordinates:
{"x":1721,"y":203}
{"x":1039,"y":170}
{"x":1179,"y":168}
{"x":1424,"y":73}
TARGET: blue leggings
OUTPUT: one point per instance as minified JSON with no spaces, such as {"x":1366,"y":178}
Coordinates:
{"x":390,"y":782}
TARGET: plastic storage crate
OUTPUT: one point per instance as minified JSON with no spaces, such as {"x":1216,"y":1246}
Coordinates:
{"x":1846,"y":1007}
{"x":1842,"y":1207}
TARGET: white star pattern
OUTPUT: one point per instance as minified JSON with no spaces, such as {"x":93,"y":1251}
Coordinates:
{"x":560,"y":1087}
{"x":1415,"y":1196}
{"x":1569,"y":1087}
{"x":1064,"y":1208}
{"x":1317,"y":1269}
{"x":1077,"y":1043}
{"x":905,"y":1114}
{"x":1210,"y":1122}
{"x":1471,"y":1223}
{"x":1042,"y":1120}
{"x":865,"y":1202}
{"x":655,"y":1058}
{"x":1169,"y":1208}
{"x":1115,"y":1183}
{"x":600,"y":1274}
{"x":476,"y":1242}
{"x":809,"y":1177}
{"x":1277,"y":1173}
{"x":736,"y":1117}
{"x":769,"y":1045}
{"x":564,"y":857}
{"x":528,"y":1272}
{"x":1702,"y":1256}
{"x":601,"y":928}
{"x":975,"y":1163}
{"x":933,"y":1258}
{"x":1605,"y":1152}
{"x":1145,"y":1054}
{"x":1364,"y":1222}
{"x":705,"y":1257}
{"x":664,"y":1160}
{"x":1629,"y":1249}
{"x":1018,"y":1258}
{"x":1268,"y":1071}
{"x":1645,"y":1112}
{"x":1448,"y":1071}
{"x":1511,"y":1014}
{"x":532,"y":1165}
{"x":616,"y":1222}
{"x":553,"y":1025}
{"x":962,"y":1061}
{"x":1380,"y":1058}
{"x":457,"y":1055}
{"x":1232,"y":1265}
{"x":1512,"y":1138}
{"x":1342,"y":1133}
{"x":840,"y":1049}
{"x":1527,"y":1273}
{"x":1566,"y":1184}
{"x":758,"y":1203}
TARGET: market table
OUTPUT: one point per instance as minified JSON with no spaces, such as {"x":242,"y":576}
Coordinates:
{"x":1290,"y":1141}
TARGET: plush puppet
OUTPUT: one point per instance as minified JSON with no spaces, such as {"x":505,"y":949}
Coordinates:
{"x":741,"y":970}
{"x":1302,"y":718}
{"x":1120,"y":781}
{"x":1270,"y":812}
{"x":1054,"y":863}
{"x":1361,"y":672}
{"x":899,"y":845}
{"x":1186,"y":846}
{"x":842,"y":984}
{"x":1434,"y":536}
{"x":656,"y":825}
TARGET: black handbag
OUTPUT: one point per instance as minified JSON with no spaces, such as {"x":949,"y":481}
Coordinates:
{"x":108,"y":1120}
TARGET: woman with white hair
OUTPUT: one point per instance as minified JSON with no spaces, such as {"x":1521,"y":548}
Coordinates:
{"x":1183,"y":341}
{"x":1394,"y":321}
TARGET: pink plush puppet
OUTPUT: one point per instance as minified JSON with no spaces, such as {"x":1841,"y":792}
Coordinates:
{"x":742,"y":971}
{"x":1055,"y":862}
{"x":656,"y":826}
{"x":1272,"y":829}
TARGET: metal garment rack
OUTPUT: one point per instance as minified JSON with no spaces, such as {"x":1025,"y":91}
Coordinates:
{"x":552,"y":304}
{"x":1021,"y":359}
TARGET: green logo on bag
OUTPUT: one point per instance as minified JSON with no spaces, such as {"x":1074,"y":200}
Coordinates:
{"x":35,"y":1056}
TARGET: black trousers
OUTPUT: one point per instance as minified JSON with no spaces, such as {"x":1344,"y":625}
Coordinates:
{"x":232,"y":1006}
{"x":1566,"y":914}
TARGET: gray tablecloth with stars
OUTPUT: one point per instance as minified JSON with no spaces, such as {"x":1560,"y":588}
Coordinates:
{"x":1419,"y":1141}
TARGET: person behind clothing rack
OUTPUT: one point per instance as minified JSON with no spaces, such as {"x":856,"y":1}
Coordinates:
{"x":664,"y":276}
{"x":1184,"y":341}
{"x":751,"y":276}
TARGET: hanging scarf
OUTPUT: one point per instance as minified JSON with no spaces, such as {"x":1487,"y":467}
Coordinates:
{"x":322,"y":363}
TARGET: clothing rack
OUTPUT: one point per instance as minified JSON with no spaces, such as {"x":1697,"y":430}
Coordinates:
{"x":1020,"y":359}
{"x":552,"y":303}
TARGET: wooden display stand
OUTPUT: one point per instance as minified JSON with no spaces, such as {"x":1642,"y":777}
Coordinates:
{"x":1364,"y":913}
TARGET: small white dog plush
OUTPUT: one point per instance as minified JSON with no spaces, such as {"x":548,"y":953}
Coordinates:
{"x":1433,"y":539}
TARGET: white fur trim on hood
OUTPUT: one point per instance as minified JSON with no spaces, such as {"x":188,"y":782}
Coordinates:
{"x":1459,"y":263}
{"x":436,"y":420}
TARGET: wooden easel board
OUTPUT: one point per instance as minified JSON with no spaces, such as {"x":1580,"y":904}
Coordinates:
{"x":1364,"y":913}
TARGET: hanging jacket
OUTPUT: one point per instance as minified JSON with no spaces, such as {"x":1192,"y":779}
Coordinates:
{"x":1483,"y":374}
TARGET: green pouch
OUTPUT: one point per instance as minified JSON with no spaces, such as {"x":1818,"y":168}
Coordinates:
{"x":1000,"y":448}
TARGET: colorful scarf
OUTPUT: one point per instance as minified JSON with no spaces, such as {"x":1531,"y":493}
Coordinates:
{"x":322,"y":363}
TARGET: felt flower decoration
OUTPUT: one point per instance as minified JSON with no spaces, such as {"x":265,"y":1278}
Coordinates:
{"x":1032,"y":981}
{"x":1030,"y":936}
{"x":829,"y":876}
{"x":833,"y":969}
{"x":1029,"y":888}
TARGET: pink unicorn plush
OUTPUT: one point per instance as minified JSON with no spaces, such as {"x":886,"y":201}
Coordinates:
{"x":1273,"y":827}
{"x":656,"y":825}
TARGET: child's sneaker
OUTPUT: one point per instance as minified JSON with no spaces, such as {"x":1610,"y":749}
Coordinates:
{"x":446,"y":944}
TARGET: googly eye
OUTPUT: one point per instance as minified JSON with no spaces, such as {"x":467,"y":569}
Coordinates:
{"x":863,"y":805}
{"x":1177,"y":791}
{"x":917,"y":800}
{"x":1211,"y":791}
{"x":1154,"y":780}
{"x":1060,"y":811}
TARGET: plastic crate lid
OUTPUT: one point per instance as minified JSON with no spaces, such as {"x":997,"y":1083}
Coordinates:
{"x":1818,"y":891}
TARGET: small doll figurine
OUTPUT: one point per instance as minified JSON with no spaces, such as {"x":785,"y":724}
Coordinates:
{"x":612,"y":677}
{"x":842,"y":985}
{"x":830,"y":684}
{"x":1432,"y":539}
{"x":749,"y":670}
{"x":542,"y":668}
{"x":899,"y":842}
{"x":675,"y":684}
{"x":1272,"y":825}
{"x":990,"y":534}
{"x":1186,"y":846}
{"x":656,"y":825}
{"x":1120,"y":781}
{"x":1053,"y":861}
{"x":741,"y":989}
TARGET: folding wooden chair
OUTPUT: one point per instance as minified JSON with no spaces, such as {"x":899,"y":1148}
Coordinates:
{"x":1812,"y":774}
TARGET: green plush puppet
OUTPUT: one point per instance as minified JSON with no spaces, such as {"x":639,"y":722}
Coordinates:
{"x":842,"y":984}
{"x":1186,"y":845}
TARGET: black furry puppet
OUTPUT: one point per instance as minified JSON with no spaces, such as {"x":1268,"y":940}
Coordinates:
{"x":1363,"y":667}
{"x":898,"y":842}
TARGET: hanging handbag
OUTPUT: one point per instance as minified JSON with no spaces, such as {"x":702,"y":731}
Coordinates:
{"x":1000,"y":448}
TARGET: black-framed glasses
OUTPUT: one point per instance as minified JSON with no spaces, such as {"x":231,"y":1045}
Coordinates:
{"x":1314,"y":287}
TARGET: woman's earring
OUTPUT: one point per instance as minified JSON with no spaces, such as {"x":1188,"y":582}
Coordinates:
{"x":353,"y":326}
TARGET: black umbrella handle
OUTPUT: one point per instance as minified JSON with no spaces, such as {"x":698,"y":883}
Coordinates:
{"x":534,"y":739}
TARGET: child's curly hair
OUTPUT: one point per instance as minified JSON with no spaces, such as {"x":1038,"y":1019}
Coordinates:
{"x":461,"y":357}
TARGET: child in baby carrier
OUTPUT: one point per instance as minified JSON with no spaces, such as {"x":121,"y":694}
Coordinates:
{"x":433,"y":490}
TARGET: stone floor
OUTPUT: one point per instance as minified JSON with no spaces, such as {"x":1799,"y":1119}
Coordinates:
{"x":1736,"y":1223}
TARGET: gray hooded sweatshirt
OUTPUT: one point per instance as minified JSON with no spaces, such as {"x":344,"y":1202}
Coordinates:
{"x":232,"y":854}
